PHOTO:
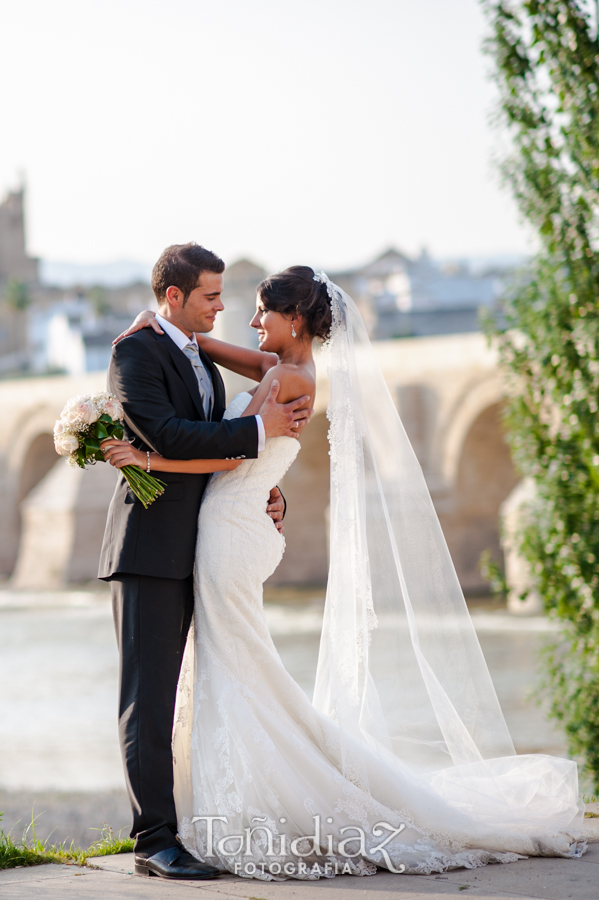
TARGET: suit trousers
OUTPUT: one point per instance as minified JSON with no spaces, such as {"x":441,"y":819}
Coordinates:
{"x":152,"y":618}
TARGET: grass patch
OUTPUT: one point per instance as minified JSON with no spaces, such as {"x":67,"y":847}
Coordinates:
{"x":31,"y":851}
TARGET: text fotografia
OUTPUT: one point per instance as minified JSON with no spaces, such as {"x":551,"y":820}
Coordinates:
{"x":299,"y":869}
{"x":355,"y":844}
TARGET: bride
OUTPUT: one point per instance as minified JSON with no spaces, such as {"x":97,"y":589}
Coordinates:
{"x":403,"y":760}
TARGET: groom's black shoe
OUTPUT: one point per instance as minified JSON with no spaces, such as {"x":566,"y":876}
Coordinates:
{"x":174,"y":863}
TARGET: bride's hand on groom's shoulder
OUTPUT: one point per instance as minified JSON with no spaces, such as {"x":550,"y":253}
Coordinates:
{"x":145,"y":319}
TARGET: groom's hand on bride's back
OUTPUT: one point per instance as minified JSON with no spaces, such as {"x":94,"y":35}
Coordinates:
{"x":276,"y":508}
{"x":284,"y":419}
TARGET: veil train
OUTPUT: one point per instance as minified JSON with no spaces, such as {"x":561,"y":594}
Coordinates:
{"x":400,"y":667}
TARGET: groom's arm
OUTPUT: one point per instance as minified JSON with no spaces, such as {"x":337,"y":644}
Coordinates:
{"x":135,"y":377}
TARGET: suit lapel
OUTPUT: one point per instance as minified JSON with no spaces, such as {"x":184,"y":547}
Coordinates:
{"x":185,"y":370}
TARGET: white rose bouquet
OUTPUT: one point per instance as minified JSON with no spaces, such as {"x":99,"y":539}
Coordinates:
{"x":84,"y":423}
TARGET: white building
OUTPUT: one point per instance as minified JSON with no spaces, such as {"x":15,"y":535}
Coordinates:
{"x":401,"y":297}
{"x":70,"y":337}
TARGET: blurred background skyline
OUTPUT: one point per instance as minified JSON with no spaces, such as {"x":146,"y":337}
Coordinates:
{"x":321,"y":132}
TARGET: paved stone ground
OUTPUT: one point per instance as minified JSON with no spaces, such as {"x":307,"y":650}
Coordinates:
{"x":112,"y":877}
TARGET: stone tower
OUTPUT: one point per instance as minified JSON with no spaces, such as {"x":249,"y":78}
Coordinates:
{"x":14,"y":261}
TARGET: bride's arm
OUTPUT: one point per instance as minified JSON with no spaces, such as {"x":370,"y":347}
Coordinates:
{"x":252,"y":363}
{"x":121,"y":453}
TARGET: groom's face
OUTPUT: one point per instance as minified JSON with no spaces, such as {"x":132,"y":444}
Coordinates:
{"x":199,"y":311}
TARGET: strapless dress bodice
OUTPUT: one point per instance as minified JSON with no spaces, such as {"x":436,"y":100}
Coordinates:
{"x":257,"y":475}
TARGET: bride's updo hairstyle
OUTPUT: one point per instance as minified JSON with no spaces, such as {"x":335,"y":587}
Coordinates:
{"x":294,"y":292}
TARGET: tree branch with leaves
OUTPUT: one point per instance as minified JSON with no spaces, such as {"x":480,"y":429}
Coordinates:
{"x":546,"y":63}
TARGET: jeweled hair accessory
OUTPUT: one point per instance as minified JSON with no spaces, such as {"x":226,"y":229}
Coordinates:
{"x":324,"y":279}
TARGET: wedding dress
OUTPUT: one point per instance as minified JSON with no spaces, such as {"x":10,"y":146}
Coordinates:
{"x":403,"y":760}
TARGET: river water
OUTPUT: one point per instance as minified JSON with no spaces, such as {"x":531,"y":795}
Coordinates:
{"x":58,"y":671}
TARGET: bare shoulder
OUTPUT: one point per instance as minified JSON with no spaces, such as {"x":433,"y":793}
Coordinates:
{"x":294,"y":382}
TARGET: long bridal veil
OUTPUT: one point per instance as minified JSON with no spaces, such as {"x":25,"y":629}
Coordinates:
{"x":405,"y":722}
{"x":400,"y":667}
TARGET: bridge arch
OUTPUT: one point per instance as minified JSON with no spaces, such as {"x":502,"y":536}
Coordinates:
{"x":39,"y":459}
{"x":456,"y":420}
{"x":30,"y":456}
{"x":30,"y":407}
{"x":484,"y":477}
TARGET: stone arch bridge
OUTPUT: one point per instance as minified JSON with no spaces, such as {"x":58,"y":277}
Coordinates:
{"x":447,"y":389}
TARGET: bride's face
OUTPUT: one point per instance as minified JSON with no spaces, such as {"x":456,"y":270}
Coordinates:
{"x":274,"y":329}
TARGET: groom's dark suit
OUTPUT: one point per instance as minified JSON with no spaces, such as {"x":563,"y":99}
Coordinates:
{"x":148,"y":556}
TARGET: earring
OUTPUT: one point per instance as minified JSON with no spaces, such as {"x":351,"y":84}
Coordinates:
{"x":293,"y":334}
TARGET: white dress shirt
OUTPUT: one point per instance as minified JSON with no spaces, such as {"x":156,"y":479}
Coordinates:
{"x":181,"y":340}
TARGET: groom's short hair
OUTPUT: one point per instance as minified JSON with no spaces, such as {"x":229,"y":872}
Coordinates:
{"x":180,"y":265}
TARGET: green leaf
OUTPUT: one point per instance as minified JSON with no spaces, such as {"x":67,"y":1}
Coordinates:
{"x":91,"y":445}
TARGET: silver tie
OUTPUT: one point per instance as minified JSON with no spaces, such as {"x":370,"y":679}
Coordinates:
{"x":203,"y":378}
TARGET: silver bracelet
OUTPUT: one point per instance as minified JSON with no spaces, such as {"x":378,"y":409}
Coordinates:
{"x":148,"y":465}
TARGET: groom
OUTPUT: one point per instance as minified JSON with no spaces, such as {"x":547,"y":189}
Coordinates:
{"x":174,"y":400}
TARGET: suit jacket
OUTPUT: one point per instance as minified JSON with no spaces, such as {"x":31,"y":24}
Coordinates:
{"x":157,"y":386}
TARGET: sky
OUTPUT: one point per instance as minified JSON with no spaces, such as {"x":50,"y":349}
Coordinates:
{"x":314,"y":131}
